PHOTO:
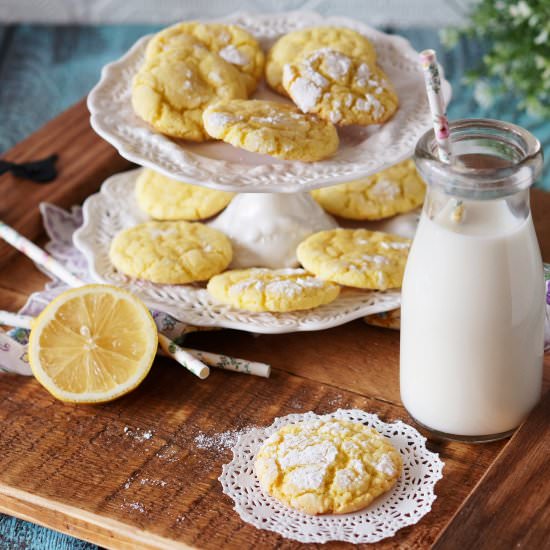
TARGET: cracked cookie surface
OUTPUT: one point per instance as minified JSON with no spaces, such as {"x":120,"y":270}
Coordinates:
{"x":171,"y":252}
{"x":171,"y":91}
{"x":164,"y":198}
{"x":395,"y":190}
{"x":299,"y":43}
{"x":327,"y":466}
{"x":275,"y":290}
{"x":356,"y":257}
{"x":339,"y":88}
{"x":272,"y":128}
{"x":230,"y":42}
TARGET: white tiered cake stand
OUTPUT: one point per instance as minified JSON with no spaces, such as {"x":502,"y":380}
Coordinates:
{"x":273,"y":211}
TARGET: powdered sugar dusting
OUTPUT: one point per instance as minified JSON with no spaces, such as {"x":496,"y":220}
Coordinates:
{"x":219,"y":441}
{"x":334,"y":63}
{"x":395,"y":245}
{"x":308,"y":478}
{"x":233,"y":55}
{"x":279,"y":284}
{"x":220,"y":120}
{"x":385,"y":465}
{"x":305,"y":94}
{"x":385,"y":188}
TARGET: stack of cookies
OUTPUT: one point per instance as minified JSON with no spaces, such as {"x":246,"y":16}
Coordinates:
{"x":174,"y":248}
{"x":197,"y":78}
{"x":195,"y":83}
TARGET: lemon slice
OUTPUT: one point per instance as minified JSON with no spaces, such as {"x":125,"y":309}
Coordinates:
{"x":92,"y":344}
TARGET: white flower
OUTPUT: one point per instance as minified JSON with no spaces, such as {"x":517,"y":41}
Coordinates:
{"x":520,"y":10}
{"x":483,"y":94}
{"x":542,"y":37}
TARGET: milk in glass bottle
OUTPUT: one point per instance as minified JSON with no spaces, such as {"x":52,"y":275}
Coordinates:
{"x":472,"y":316}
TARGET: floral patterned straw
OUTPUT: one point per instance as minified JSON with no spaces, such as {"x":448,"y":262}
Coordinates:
{"x":183,"y":357}
{"x":35,"y":253}
{"x":428,"y":60}
{"x":225,"y":362}
{"x":231,"y":363}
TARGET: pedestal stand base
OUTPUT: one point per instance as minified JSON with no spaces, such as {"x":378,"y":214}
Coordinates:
{"x":266,"y":228}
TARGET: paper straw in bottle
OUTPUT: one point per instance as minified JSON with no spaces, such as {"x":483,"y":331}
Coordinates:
{"x":428,"y":60}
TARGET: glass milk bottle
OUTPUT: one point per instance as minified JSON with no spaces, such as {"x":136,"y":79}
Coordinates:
{"x":472,"y":314}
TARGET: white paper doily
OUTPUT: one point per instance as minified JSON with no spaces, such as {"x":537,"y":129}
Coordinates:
{"x":363,"y":150}
{"x":409,"y":500}
{"x":115,"y":208}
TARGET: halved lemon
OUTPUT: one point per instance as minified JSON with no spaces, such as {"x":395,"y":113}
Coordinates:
{"x":92,"y":344}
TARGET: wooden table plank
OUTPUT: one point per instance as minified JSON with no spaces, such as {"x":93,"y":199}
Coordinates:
{"x":510,"y":507}
{"x":76,"y":469}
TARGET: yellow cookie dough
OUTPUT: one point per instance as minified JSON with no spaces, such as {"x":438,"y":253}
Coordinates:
{"x":164,"y":198}
{"x":327,"y":466}
{"x":294,"y":45}
{"x":232,"y":43}
{"x":356,"y":257}
{"x":171,"y":90}
{"x":171,"y":252}
{"x":395,"y":190}
{"x":340,"y":88}
{"x":272,"y":128}
{"x":276,"y":290}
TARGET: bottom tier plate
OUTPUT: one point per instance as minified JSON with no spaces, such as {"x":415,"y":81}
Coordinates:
{"x":114,"y":208}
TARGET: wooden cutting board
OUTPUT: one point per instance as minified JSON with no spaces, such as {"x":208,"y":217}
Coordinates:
{"x":141,"y":472}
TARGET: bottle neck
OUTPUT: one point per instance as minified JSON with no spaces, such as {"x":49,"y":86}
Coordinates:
{"x":490,"y":160}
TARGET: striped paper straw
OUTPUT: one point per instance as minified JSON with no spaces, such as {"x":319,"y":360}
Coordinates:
{"x":10,"y":319}
{"x":36,"y":254}
{"x":428,"y":60}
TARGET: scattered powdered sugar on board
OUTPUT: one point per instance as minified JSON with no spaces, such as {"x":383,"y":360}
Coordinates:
{"x":136,"y":506}
{"x":138,"y":435}
{"x":220,"y":441}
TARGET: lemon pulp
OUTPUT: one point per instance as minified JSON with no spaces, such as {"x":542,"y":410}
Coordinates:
{"x":92,"y":344}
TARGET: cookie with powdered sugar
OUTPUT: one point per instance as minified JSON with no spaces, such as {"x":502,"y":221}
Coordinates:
{"x":342,"y":89}
{"x":356,"y":257}
{"x":171,"y":90}
{"x":275,"y":290}
{"x":327,"y":466}
{"x":395,"y":190}
{"x":271,"y":128}
{"x":304,"y":41}
{"x":171,"y":252}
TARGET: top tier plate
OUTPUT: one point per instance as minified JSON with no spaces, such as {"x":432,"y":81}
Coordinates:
{"x":363,"y":150}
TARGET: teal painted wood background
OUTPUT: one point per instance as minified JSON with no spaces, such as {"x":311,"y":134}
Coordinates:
{"x":45,"y":69}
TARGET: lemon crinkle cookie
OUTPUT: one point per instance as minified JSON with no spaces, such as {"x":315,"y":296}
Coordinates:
{"x":302,"y":42}
{"x":231,"y":42}
{"x":327,"y":466}
{"x":395,"y":190}
{"x":356,"y":257}
{"x":170,"y":91}
{"x":164,"y":198}
{"x":276,"y":290}
{"x":171,"y":252}
{"x":339,"y":88}
{"x":272,"y":128}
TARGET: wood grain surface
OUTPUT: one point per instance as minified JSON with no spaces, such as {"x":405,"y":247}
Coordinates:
{"x":141,"y":472}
